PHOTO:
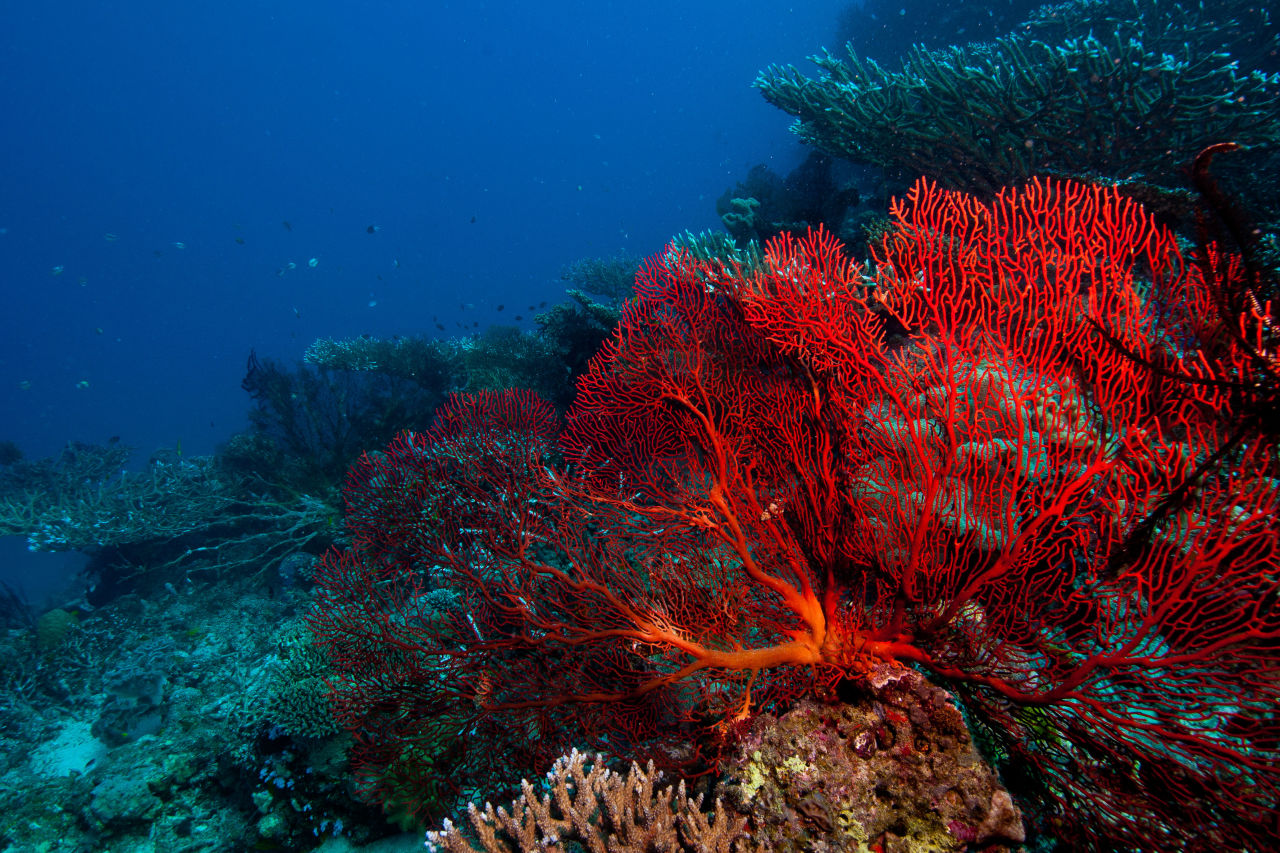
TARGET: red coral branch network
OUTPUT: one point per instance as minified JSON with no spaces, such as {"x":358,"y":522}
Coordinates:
{"x":1007,"y":451}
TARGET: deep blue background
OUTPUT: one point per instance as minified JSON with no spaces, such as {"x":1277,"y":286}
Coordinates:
{"x":564,"y":129}
{"x":492,"y":143}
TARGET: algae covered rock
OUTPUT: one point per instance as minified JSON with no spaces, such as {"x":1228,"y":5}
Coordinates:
{"x":895,"y":771}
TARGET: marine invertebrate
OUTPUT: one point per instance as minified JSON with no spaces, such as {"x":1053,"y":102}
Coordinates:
{"x":583,"y":801}
{"x":767,"y":493}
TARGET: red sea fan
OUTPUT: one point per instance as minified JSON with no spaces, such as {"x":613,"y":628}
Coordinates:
{"x":1027,"y":489}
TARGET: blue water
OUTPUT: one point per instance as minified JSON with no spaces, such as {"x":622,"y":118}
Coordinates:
{"x":489,"y":144}
{"x":154,"y":151}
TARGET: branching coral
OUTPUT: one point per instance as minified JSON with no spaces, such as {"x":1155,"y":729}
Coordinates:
{"x":601,"y":810}
{"x":176,"y":512}
{"x":1060,"y":97}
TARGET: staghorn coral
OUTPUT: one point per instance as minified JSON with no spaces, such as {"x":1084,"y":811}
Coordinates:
{"x":178,"y":514}
{"x":585,"y":802}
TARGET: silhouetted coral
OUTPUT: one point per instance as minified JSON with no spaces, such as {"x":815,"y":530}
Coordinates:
{"x":822,"y":190}
{"x":612,"y":277}
{"x":574,"y":331}
{"x":10,"y":453}
{"x":432,"y":364}
{"x":547,"y":360}
{"x":322,"y":419}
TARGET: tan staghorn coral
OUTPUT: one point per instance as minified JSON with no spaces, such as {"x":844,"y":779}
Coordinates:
{"x":603,"y":811}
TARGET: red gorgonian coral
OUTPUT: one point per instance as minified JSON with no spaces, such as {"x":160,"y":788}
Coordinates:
{"x":1004,"y":453}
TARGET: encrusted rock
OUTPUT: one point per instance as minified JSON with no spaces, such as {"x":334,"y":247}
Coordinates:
{"x":895,"y":772}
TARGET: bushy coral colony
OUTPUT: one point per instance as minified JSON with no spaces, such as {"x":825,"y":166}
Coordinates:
{"x":932,"y":508}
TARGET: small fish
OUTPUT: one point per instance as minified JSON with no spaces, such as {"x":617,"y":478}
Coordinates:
{"x":82,"y":384}
{"x":373,"y":229}
{"x":240,"y":240}
{"x":110,"y":238}
{"x":440,"y":326}
{"x":500,"y":307}
{"x":178,"y":244}
{"x":296,"y":313}
{"x":313,"y":263}
{"x":58,"y":270}
{"x":288,"y":226}
{"x":395,"y":264}
{"x":519,"y":317}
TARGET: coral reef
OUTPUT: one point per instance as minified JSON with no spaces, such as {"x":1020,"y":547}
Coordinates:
{"x":294,"y":694}
{"x":574,"y":331}
{"x":893,"y":769}
{"x":179,"y":514}
{"x":133,"y":690}
{"x":432,"y":364}
{"x":143,"y":729}
{"x":1120,"y":89}
{"x":1022,"y":451}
